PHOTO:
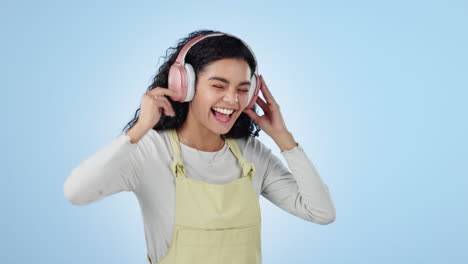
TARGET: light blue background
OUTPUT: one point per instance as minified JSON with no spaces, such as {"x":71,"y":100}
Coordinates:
{"x":375,"y":92}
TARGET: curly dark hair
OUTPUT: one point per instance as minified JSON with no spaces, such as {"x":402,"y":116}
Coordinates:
{"x":199,"y":56}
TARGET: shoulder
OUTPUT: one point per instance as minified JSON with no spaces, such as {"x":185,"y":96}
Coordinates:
{"x":150,"y":143}
{"x":155,"y":135}
{"x":252,"y":147}
{"x":158,"y":139}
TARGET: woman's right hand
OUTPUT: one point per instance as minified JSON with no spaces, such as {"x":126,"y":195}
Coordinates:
{"x":151,"y":107}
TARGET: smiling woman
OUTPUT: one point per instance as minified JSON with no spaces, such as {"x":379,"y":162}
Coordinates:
{"x":226,"y":68}
{"x":198,"y":172}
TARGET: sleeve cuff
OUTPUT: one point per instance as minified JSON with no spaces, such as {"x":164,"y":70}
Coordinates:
{"x":127,"y":140}
{"x":291,"y":150}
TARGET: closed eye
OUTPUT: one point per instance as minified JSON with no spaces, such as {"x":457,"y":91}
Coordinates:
{"x":220,"y":87}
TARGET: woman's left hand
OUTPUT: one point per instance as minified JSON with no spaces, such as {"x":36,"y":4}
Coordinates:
{"x":272,"y":121}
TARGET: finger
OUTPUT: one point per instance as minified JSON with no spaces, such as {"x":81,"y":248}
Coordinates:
{"x":168,"y":111}
{"x":252,"y":114}
{"x":160,"y":91}
{"x":158,"y":94}
{"x":166,"y":105}
{"x":266,"y":91}
{"x":262,"y":104}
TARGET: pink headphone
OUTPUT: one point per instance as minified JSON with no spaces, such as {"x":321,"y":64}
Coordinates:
{"x":182,"y":75}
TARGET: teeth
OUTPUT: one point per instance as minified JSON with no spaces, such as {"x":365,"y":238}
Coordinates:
{"x":224,"y":111}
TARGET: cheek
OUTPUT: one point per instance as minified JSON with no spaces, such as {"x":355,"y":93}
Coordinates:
{"x":204,"y":95}
{"x":202,"y":100}
{"x":201,"y":104}
{"x":243,"y":100}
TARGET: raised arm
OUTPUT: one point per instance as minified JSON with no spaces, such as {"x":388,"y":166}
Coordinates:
{"x":300,"y":192}
{"x":114,"y":168}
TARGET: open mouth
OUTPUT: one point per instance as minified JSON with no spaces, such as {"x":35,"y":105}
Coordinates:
{"x":215,"y":112}
{"x":223,"y":118}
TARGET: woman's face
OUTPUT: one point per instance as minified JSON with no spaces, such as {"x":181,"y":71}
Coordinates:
{"x":223,"y":83}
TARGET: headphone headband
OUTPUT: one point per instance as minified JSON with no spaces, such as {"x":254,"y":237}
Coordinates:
{"x":183,"y":52}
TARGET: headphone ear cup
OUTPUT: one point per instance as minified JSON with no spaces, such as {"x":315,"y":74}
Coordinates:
{"x":253,"y":91}
{"x":191,"y":76}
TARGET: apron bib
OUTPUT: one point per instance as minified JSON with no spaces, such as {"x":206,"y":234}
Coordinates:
{"x":214,"y":224}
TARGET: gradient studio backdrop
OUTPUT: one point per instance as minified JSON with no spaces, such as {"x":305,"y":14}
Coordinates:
{"x":374,"y":92}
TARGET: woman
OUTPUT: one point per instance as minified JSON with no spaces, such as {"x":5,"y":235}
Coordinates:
{"x":194,"y":163}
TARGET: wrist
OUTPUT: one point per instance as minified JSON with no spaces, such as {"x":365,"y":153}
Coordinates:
{"x":136,"y":133}
{"x":286,"y":142}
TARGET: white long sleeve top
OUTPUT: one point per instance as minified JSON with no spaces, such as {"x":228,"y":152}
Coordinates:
{"x":144,"y":169}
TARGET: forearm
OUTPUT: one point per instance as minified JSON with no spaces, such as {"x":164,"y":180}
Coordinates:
{"x":285,"y":141}
{"x":136,"y":133}
{"x":108,"y":170}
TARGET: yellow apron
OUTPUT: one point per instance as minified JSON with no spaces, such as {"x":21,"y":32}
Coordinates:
{"x":214,"y":224}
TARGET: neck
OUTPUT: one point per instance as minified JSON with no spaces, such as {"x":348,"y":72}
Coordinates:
{"x":200,"y":137}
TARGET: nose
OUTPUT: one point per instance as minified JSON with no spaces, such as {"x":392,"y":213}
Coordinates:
{"x":230,"y":97}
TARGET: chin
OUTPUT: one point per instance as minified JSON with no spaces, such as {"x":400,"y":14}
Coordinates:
{"x":222,"y":131}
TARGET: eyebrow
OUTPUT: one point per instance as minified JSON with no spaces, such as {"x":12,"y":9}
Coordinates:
{"x":226,"y":81}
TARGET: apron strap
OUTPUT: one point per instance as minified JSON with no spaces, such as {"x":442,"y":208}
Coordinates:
{"x":177,"y":166}
{"x":248,"y":168}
